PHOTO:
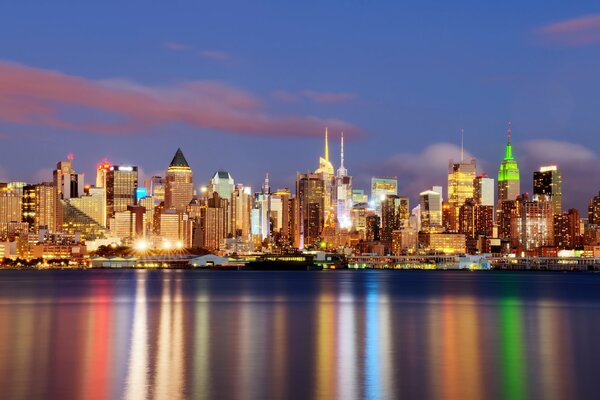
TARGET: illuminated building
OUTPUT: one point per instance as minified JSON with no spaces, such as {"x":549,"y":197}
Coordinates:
{"x":394,"y":215}
{"x":261,"y":212}
{"x":461,"y":176}
{"x":68,"y":184}
{"x":373,"y":222}
{"x":381,"y":187}
{"x":310,"y":195}
{"x":13,"y":230}
{"x":10,"y":206}
{"x":45,"y":207}
{"x":28,"y":206}
{"x":101,"y":172}
{"x":430,"y":202}
{"x":567,"y":233}
{"x":509,"y":178}
{"x":359,"y":219}
{"x":343,"y":192}
{"x":359,"y":196}
{"x":483,"y":190}
{"x":327,"y":175}
{"x":447,"y":243}
{"x":505,"y":222}
{"x":129,"y":224}
{"x":155,"y":188}
{"x":222,"y":183}
{"x":532,"y":223}
{"x":282,"y":214}
{"x":241,"y":206}
{"x":404,"y":241}
{"x":594,"y":210}
{"x":148,"y":204}
{"x":212,"y":225}
{"x":86,"y":214}
{"x":179,"y":184}
{"x":121,"y":182}
{"x":548,"y":182}
{"x":176,"y":230}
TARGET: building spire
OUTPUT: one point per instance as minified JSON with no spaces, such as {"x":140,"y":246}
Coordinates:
{"x":266,"y":186}
{"x":462,"y":145}
{"x":342,"y":152}
{"x":326,"y":146}
{"x":509,"y":133}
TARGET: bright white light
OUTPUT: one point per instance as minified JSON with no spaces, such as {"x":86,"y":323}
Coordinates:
{"x":203,"y":189}
{"x":141,"y":245}
{"x":382,"y":197}
{"x":166,"y":245}
{"x":179,"y":245}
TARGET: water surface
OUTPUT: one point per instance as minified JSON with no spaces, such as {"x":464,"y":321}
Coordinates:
{"x":298,"y":335}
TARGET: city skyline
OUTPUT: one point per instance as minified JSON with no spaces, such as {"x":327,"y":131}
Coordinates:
{"x":401,"y":92}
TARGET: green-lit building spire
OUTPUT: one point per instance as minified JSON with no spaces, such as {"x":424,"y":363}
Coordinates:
{"x":509,"y":178}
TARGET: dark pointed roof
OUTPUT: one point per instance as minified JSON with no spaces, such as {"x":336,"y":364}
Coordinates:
{"x":179,"y":160}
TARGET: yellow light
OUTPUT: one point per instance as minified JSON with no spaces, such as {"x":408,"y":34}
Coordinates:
{"x":166,"y":245}
{"x":141,"y":245}
{"x":179,"y":245}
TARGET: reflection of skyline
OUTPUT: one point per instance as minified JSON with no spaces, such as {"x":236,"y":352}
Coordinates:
{"x":358,"y":336}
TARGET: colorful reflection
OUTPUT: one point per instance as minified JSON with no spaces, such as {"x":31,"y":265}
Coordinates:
{"x":374,"y":335}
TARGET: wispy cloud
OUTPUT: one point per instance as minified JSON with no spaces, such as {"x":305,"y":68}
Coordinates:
{"x":215,"y":54}
{"x":175,"y":46}
{"x":328,"y":97}
{"x":574,"y":32}
{"x":33,"y":96}
{"x":314,"y":95}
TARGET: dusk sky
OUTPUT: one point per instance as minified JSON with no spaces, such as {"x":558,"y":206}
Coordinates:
{"x":250,"y":88}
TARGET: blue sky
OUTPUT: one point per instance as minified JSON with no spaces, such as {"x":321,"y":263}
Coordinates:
{"x":400,"y":79}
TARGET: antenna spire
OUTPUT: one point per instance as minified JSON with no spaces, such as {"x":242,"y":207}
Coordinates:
{"x":342,"y":152}
{"x":509,"y":133}
{"x":326,"y":146}
{"x":462,"y":145}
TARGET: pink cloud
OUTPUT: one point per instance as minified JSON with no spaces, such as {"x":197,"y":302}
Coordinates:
{"x":328,"y":97}
{"x":35,"y":96}
{"x":218,"y":55}
{"x":573,"y":32}
{"x":175,"y":46}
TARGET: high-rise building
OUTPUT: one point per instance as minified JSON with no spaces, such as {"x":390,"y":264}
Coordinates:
{"x":483,"y":190}
{"x":310,"y":195}
{"x":430,"y":202}
{"x":594,"y":210}
{"x":532,"y":223}
{"x":45,"y":207}
{"x":241,"y":206}
{"x":212,"y":227}
{"x":179,"y":183}
{"x":327,"y":175}
{"x":548,"y":182}
{"x":155,"y":188}
{"x":222,"y":183}
{"x":359,"y":219}
{"x":343,"y":192}
{"x":121,"y":182}
{"x":381,"y":187}
{"x":10,"y":206}
{"x":567,"y":233}
{"x":476,"y":219}
{"x":461,"y":177}
{"x":373,"y":222}
{"x":359,"y":196}
{"x":261,"y":212}
{"x":101,"y":172}
{"x":85,"y":215}
{"x":509,"y":178}
{"x":282,"y":218}
{"x":28,"y":206}
{"x":394,"y":215}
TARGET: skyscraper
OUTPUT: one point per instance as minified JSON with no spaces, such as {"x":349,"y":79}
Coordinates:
{"x":381,"y":187}
{"x":394,"y":215}
{"x":532,"y":223}
{"x":594,"y":210}
{"x":343,"y":192}
{"x":179,"y":183}
{"x":483,"y":192}
{"x":430,"y":202}
{"x":310,"y":191}
{"x":548,"y":182}
{"x":461,"y":177}
{"x":509,"y":178}
{"x":121,"y":182}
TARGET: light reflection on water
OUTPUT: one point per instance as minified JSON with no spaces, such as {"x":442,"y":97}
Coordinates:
{"x":346,"y":335}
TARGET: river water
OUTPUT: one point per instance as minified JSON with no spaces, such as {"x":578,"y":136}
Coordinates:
{"x":176,"y":334}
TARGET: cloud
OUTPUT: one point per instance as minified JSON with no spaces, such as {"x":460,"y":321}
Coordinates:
{"x":313,"y":95}
{"x":577,"y":163}
{"x":420,"y":171}
{"x":174,"y":46}
{"x":33,"y":96}
{"x":328,"y":97}
{"x":574,"y":32}
{"x":215,"y":55}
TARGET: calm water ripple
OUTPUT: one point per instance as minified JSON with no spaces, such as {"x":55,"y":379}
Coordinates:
{"x":298,"y":335}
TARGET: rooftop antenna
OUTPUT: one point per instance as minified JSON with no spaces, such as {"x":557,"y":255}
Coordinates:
{"x":509,"y":133}
{"x":462,"y":145}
